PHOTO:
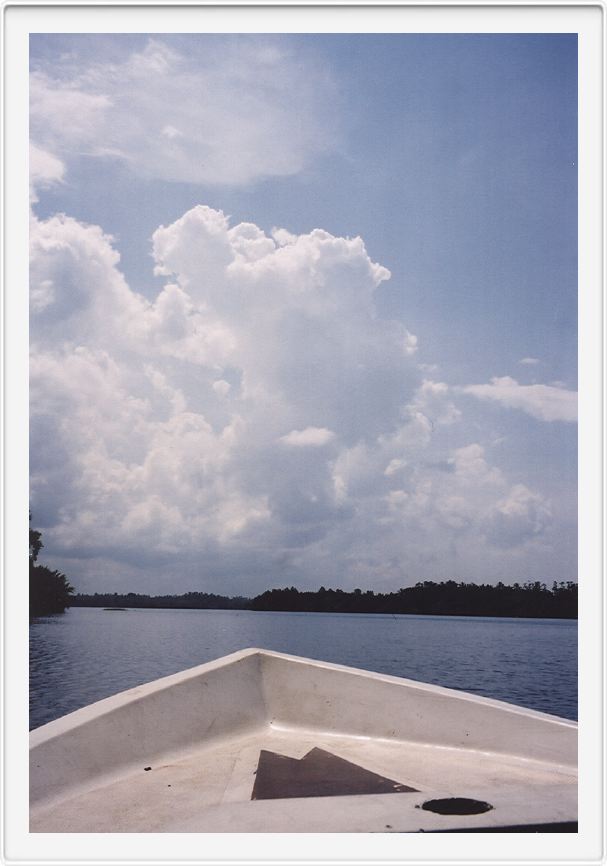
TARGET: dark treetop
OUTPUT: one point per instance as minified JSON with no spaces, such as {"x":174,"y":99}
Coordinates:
{"x":49,"y":591}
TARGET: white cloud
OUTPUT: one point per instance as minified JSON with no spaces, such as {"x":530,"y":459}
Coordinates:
{"x":314,"y":437}
{"x":171,"y":132}
{"x":45,"y":170}
{"x":395,"y":465}
{"x":410,"y":344}
{"x":222,"y":387}
{"x":77,"y":291}
{"x":162,"y":416}
{"x":521,"y":516}
{"x":239,"y":111}
{"x":433,"y":399}
{"x":544,"y":402}
{"x":529,"y":361}
{"x":468,"y":496}
{"x":186,"y":434}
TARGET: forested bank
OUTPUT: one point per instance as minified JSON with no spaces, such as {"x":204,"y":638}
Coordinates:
{"x":189,"y":600}
{"x":439,"y":599}
{"x":448,"y":598}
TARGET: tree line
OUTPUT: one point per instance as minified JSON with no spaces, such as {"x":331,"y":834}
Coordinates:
{"x":189,"y":600}
{"x":51,"y":592}
{"x":448,"y":598}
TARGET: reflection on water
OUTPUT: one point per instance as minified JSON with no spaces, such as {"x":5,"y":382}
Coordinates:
{"x":88,"y":653}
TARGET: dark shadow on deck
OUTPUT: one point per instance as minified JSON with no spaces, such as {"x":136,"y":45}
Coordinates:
{"x":317,"y":774}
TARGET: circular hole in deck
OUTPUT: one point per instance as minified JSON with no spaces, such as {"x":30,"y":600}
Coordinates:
{"x":456,"y":806}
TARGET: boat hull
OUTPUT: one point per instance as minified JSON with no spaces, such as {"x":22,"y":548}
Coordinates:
{"x":345,"y":751}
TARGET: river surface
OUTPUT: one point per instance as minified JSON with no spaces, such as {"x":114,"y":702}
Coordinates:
{"x":89,"y":653}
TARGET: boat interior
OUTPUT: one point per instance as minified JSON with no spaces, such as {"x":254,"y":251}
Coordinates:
{"x":264,"y":742}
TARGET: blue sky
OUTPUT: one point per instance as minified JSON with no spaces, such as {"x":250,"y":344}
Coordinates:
{"x":301,"y":407}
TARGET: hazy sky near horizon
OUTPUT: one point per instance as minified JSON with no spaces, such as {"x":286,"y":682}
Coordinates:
{"x":303,"y":309}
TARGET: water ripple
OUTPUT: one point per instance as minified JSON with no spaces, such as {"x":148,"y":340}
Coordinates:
{"x":88,"y":654}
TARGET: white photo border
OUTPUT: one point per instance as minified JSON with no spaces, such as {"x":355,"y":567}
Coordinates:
{"x":588,"y":21}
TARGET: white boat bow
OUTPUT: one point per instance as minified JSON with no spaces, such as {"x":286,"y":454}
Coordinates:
{"x":260,"y":741}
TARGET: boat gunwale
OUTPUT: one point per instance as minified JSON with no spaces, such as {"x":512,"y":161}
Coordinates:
{"x":92,"y":711}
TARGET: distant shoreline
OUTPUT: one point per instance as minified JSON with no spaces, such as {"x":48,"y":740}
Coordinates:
{"x":345,"y":613}
{"x":529,"y":601}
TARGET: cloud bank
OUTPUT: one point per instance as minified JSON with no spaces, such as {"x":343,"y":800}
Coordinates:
{"x":256,"y":423}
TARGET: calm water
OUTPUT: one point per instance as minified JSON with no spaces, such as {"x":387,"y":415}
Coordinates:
{"x":87,"y":653}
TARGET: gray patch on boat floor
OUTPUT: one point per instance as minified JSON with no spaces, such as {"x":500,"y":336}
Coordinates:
{"x":318,"y":774}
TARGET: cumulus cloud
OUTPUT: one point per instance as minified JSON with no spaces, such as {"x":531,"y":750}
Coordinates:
{"x":162,"y":416}
{"x":467,"y":494}
{"x":433,"y":399}
{"x":522,"y":515}
{"x":239,"y":111}
{"x":45,"y":170}
{"x":410,"y":343}
{"x":222,"y":387}
{"x":77,"y":294}
{"x":431,"y":518}
{"x":314,"y":437}
{"x":255,"y":422}
{"x":544,"y":402}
